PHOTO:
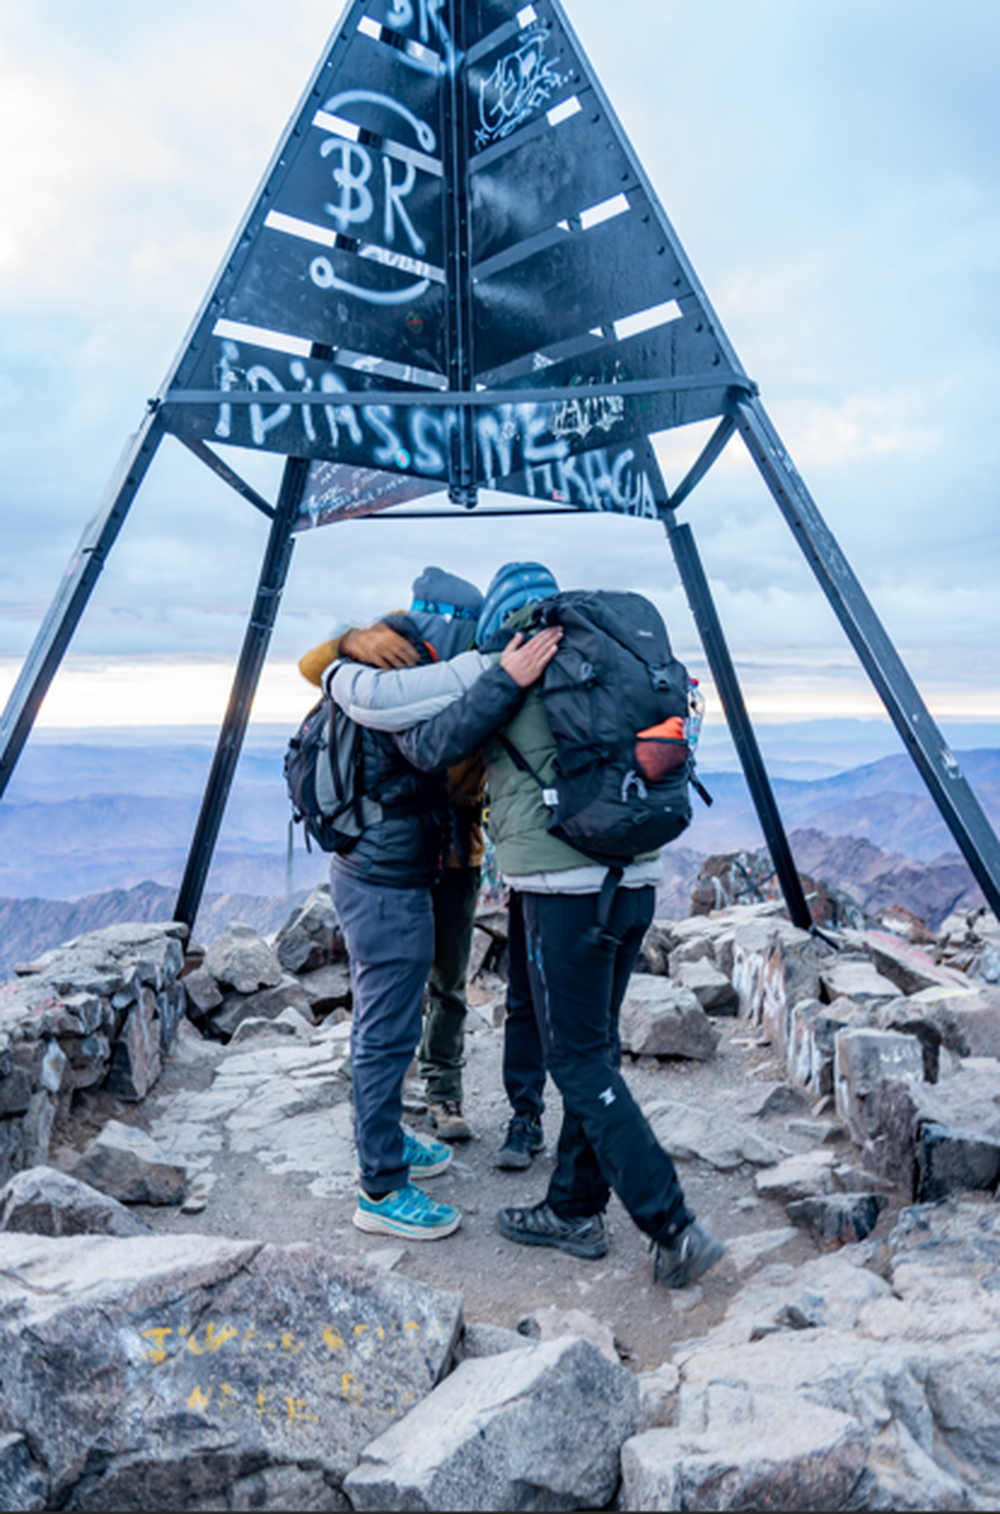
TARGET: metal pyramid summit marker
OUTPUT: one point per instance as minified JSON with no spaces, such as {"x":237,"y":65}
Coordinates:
{"x":458,"y":272}
{"x":454,"y":275}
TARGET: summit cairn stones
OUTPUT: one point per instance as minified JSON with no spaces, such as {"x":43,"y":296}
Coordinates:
{"x":534,"y":1429}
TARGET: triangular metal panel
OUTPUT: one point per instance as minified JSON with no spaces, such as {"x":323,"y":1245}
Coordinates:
{"x":370,"y":304}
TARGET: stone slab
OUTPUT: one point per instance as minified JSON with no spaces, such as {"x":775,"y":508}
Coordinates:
{"x":534,"y":1429}
{"x":216,"y":1361}
{"x":689,"y":1133}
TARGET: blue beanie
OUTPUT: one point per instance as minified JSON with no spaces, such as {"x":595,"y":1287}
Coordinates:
{"x":445,"y":610}
{"x":514,"y":585}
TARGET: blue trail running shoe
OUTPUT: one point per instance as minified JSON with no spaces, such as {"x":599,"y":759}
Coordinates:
{"x":426,"y":1159}
{"x":407,"y":1212}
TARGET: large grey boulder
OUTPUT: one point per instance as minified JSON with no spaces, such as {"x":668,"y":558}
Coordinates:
{"x":659,"y":1018}
{"x":43,"y":1201}
{"x":311,"y":936}
{"x":967,"y":1024}
{"x":128,"y":1165}
{"x":798,"y":1177}
{"x":856,"y":979}
{"x":905,"y":965}
{"x":328,"y":989}
{"x":240,"y":961}
{"x":534,"y":1429}
{"x":266,"y":1004}
{"x":751,"y":1451}
{"x":22,"y":1485}
{"x":191,"y":1373}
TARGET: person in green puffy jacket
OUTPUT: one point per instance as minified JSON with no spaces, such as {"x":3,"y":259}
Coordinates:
{"x":578,"y":965}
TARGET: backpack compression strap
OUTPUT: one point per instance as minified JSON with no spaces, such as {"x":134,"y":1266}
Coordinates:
{"x":613,"y":877}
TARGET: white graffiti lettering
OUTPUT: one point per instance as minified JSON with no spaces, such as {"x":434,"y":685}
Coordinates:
{"x":401,"y":16}
{"x":227,"y":376}
{"x":324,"y":276}
{"x":261,"y":424}
{"x":395,"y":194}
{"x":340,"y":415}
{"x":298,"y":371}
{"x":424,"y":133}
{"x":351,"y":211}
{"x":519,"y":84}
{"x":428,"y":429}
{"x":353,"y":208}
{"x":596,"y":483}
{"x":416,"y":438}
{"x":578,"y":417}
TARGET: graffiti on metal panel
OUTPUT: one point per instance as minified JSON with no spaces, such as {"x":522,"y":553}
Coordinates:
{"x":579,"y":417}
{"x":519,"y":84}
{"x":402,"y":14}
{"x":352,"y":207}
{"x":533,"y":436}
{"x":602,"y":479}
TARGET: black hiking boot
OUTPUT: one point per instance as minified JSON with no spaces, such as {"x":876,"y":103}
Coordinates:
{"x":541,"y":1226}
{"x":687,"y":1257}
{"x":524,"y":1137}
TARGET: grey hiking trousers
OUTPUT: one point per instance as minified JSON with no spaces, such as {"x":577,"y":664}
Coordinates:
{"x":390,"y":941}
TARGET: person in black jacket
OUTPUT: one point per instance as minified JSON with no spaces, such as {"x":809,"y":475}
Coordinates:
{"x":381,"y":890}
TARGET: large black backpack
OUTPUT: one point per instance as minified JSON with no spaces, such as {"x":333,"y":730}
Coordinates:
{"x":617,"y":702}
{"x":324,"y":774}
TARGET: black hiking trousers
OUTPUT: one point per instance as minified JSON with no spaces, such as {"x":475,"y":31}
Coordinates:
{"x":578,"y":979}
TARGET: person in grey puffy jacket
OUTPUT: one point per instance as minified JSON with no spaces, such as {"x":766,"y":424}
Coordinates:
{"x":381,"y":890}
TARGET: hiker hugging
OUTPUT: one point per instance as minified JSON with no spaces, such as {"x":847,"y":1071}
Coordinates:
{"x":570,"y":711}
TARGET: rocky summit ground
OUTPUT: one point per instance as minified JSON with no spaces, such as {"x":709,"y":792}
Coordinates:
{"x":264,"y":1128}
{"x":223,"y":1337}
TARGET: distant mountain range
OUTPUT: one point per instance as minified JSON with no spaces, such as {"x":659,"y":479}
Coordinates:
{"x":92,"y":827}
{"x":884,"y":802}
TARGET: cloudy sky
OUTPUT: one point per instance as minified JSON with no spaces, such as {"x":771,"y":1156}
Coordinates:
{"x":832,"y":170}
